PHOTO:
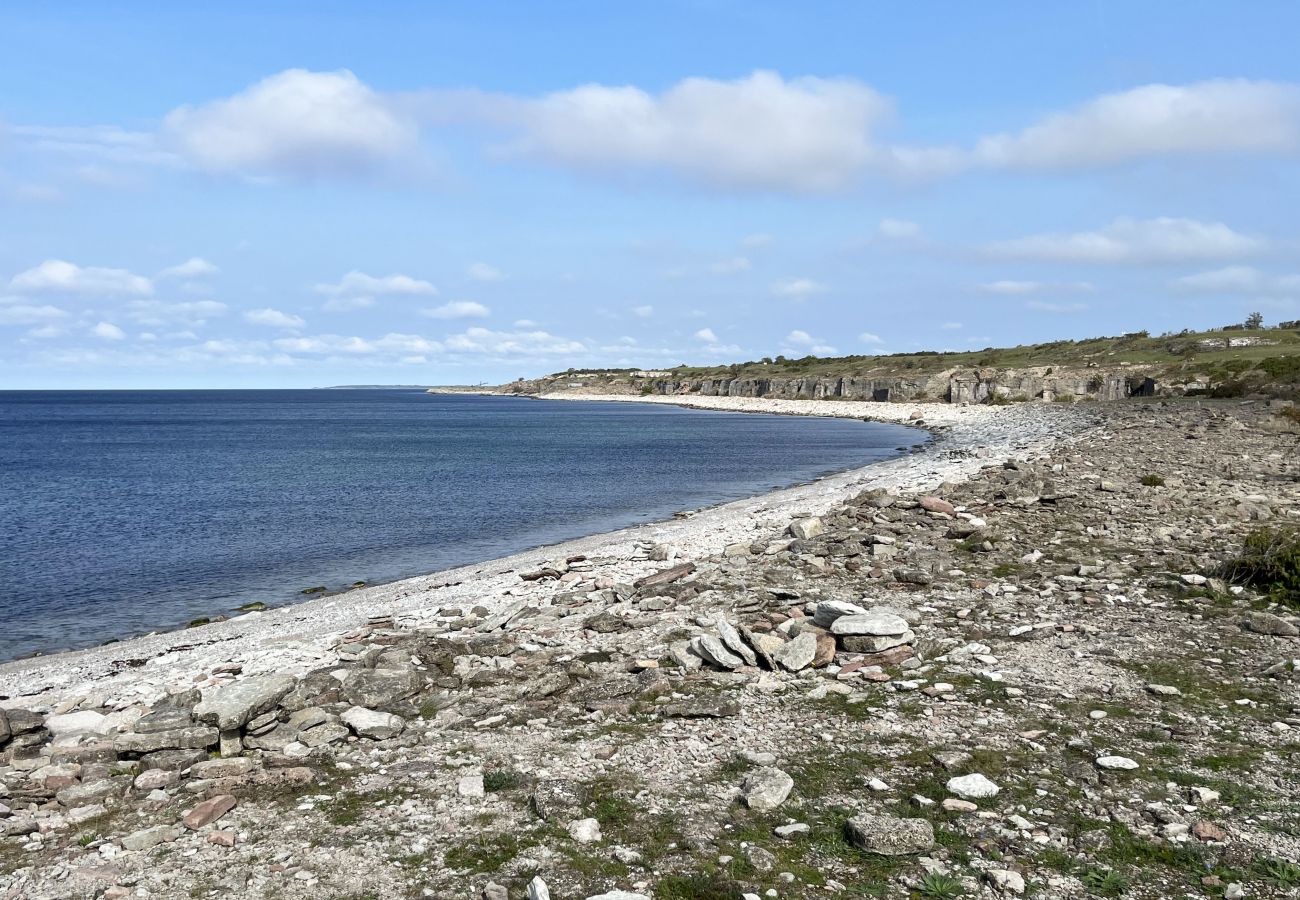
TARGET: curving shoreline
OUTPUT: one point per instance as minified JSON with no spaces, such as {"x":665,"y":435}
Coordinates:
{"x":300,"y":637}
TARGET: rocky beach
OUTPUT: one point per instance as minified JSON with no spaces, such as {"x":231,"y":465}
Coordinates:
{"x":1010,"y":664}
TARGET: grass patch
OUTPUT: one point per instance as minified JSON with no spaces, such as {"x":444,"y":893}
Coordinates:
{"x":697,"y":887}
{"x":483,"y":853}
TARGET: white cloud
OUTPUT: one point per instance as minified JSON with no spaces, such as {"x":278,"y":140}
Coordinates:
{"x":458,"y":309}
{"x":58,"y":276}
{"x":643,"y":312}
{"x":194,"y":267}
{"x":898,"y":229}
{"x":761,"y":131}
{"x":1225,"y":116}
{"x":512,"y":343}
{"x":868,"y":338}
{"x":158,"y":312}
{"x":798,"y":288}
{"x":1014,"y":288}
{"x":1238,"y":280}
{"x":730,"y":266}
{"x":295,"y":123}
{"x":951,"y":326}
{"x":525,"y":323}
{"x":108,"y":331}
{"x":1162,"y":240}
{"x":15,"y":312}
{"x":273,"y":318}
{"x":357,"y":290}
{"x":806,"y":342}
{"x":481,"y":271}
{"x":706,"y":335}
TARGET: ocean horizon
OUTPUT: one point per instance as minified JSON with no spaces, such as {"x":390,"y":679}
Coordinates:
{"x":125,"y":512}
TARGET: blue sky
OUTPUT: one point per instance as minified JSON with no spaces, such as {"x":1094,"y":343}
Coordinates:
{"x":456,"y":193}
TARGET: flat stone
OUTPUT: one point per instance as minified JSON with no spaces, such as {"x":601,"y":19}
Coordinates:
{"x":1267,"y":623}
{"x":828,"y":611}
{"x":371,"y":723}
{"x":873,"y":623}
{"x":863,"y":643}
{"x":807,"y":529}
{"x":196,"y":737}
{"x":767,"y":788}
{"x":701,"y":708}
{"x":470,"y":786}
{"x":166,"y":719}
{"x":155,"y":779}
{"x":798,"y":653}
{"x":731,"y":639}
{"x":972,"y":787}
{"x":712,"y":650}
{"x":233,"y":767}
{"x":85,"y":721}
{"x":208,"y":811}
{"x":231,"y":706}
{"x":890,"y":836}
{"x":152,"y":837}
{"x":1116,"y":762}
{"x":585,"y":831}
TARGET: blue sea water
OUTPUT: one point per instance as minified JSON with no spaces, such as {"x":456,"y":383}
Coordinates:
{"x":126,"y":512}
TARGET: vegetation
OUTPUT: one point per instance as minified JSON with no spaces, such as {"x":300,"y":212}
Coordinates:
{"x":1270,"y":562}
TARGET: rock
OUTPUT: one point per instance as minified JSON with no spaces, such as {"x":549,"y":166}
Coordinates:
{"x":797,"y":654}
{"x":937,"y":504}
{"x":766,"y":789}
{"x":5,"y":731}
{"x":166,"y":719}
{"x":494,"y":891}
{"x":1205,"y":830}
{"x":732,"y":640}
{"x":807,"y":529}
{"x":952,"y":804}
{"x":537,"y":889}
{"x":890,"y":836}
{"x":379,"y":689}
{"x":1116,"y":762}
{"x":208,"y":811}
{"x":234,"y":767}
{"x":828,"y":611}
{"x":1164,"y":690}
{"x":1006,"y":881}
{"x":86,"y":721}
{"x":470,"y":786}
{"x":712,"y":650}
{"x":1267,"y":623}
{"x":872,"y":622}
{"x":861,"y":643}
{"x":585,"y":831}
{"x":180,"y":760}
{"x":665,"y":576}
{"x":231,"y":706}
{"x":197,"y":737}
{"x":972,"y":787}
{"x":789,"y":831}
{"x":155,"y":779}
{"x":373,"y":724}
{"x":152,"y":837}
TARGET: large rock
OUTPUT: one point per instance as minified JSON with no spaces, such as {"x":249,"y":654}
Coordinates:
{"x":807,"y":529}
{"x":731,"y":639}
{"x":1267,"y":623}
{"x":198,"y":737}
{"x":379,"y":688}
{"x":798,"y":653}
{"x":972,"y":787}
{"x":712,"y":650}
{"x":890,"y":836}
{"x":151,"y":837}
{"x":937,"y":504}
{"x":862,"y":643}
{"x":230,"y":707}
{"x":828,"y":611}
{"x":5,"y":731}
{"x":875,"y":623}
{"x":208,"y":811}
{"x":164,"y":719}
{"x":372,"y":723}
{"x":84,"y":722}
{"x":767,"y":788}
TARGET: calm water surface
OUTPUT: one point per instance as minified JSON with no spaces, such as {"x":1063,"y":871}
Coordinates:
{"x":126,"y":512}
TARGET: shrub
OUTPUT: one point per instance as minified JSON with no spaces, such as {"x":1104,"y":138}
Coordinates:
{"x":1269,"y":561}
{"x":1153,"y":481}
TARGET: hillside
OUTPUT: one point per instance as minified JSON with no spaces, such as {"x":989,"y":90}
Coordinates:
{"x":1234,"y":361}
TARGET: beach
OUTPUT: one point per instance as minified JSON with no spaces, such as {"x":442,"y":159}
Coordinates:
{"x":297,"y":638}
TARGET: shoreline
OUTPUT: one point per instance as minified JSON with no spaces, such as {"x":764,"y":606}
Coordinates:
{"x":295,"y":638}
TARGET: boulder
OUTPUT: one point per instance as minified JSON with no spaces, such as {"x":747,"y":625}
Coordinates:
{"x":890,"y":836}
{"x":972,"y":787}
{"x":208,"y":811}
{"x":379,"y":688}
{"x":732,"y":641}
{"x":938,"y":505}
{"x":712,"y":650}
{"x":231,"y":706}
{"x":83,"y":722}
{"x":828,"y":611}
{"x":873,"y":623}
{"x":861,"y":643}
{"x":372,"y":723}
{"x":196,"y":737}
{"x":807,"y":529}
{"x":1267,"y":623}
{"x":166,"y":719}
{"x":766,"y":789}
{"x":798,"y":653}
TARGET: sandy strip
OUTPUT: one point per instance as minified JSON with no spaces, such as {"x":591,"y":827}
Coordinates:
{"x":298,"y":638}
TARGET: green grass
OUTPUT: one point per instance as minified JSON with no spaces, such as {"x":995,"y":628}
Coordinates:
{"x":697,"y":887}
{"x":937,"y":886}
{"x":1104,"y":882}
{"x":482,"y":853}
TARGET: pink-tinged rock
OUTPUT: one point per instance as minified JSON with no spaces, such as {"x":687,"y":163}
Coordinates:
{"x":208,"y":811}
{"x":224,"y":838}
{"x":938,"y":505}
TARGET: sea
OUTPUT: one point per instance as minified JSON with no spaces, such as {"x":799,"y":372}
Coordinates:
{"x":125,"y":512}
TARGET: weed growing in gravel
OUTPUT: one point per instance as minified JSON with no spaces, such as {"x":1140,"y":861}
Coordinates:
{"x":1269,"y":561}
{"x":1104,"y":882}
{"x":936,"y":886}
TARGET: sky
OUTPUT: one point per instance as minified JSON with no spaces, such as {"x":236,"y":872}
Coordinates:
{"x":306,"y":194}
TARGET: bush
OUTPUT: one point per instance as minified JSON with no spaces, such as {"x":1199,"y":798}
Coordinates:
{"x":1153,"y":481}
{"x":1269,"y":561}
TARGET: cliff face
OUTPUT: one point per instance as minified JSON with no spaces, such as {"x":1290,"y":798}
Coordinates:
{"x":951,"y":386}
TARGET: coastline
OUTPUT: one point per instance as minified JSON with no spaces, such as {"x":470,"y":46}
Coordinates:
{"x":297,"y":638}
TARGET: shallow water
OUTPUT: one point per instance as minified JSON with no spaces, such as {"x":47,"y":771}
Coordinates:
{"x":125,"y":512}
